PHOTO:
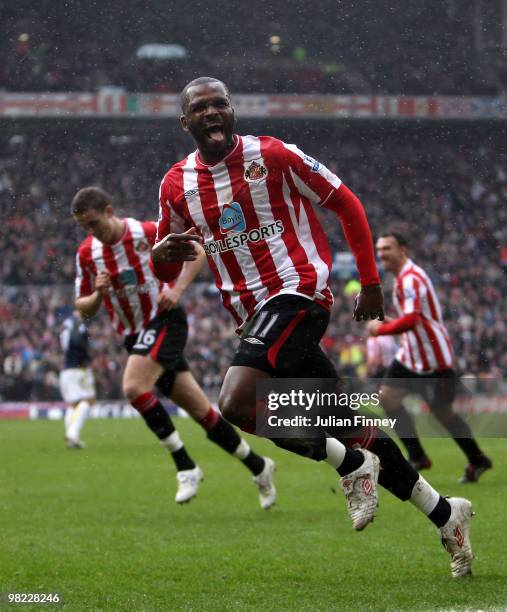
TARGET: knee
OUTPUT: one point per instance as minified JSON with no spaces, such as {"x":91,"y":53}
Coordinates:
{"x":230,"y":408}
{"x":132,"y":389}
{"x":238,"y":408}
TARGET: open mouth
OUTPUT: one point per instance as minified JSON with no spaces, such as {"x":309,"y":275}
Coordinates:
{"x":215,"y":133}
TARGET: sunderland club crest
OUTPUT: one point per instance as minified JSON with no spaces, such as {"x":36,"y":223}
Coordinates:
{"x":255,"y":171}
{"x":142,"y":246}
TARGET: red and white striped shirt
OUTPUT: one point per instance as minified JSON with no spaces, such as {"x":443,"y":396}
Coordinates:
{"x":427,"y":346}
{"x":132,"y":298}
{"x":254,"y":212}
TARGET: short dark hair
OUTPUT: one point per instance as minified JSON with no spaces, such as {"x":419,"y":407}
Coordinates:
{"x":194,"y":83}
{"x":400,"y":239}
{"x":90,"y":198}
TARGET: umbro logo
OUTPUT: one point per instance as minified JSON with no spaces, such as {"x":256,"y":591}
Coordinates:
{"x":460,"y":538}
{"x":190,"y":192}
{"x":367,"y":486}
{"x":254,"y":341}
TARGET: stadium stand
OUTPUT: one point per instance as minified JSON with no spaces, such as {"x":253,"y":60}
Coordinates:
{"x":363,"y":47}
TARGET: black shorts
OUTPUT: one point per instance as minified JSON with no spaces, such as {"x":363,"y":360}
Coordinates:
{"x":283,"y":339}
{"x":379,"y":373}
{"x":437,"y":388}
{"x":163,"y":339}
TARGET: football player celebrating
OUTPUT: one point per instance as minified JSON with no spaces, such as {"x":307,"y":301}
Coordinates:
{"x":113,"y":269}
{"x":424,"y":363}
{"x":250,"y":201}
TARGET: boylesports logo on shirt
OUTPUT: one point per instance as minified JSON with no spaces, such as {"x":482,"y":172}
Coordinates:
{"x":232,"y":219}
{"x":126,"y":292}
{"x":234,"y":241}
{"x":127,"y":276}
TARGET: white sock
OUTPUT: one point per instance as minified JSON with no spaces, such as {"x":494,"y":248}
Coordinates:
{"x":69,"y":413}
{"x":424,"y":497}
{"x":242,"y":451}
{"x":77,"y":420}
{"x":173,"y":442}
{"x":335,"y":451}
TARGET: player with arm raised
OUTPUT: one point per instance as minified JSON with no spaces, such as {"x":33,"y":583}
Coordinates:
{"x":113,"y":269}
{"x":424,"y":363}
{"x":251,"y":201}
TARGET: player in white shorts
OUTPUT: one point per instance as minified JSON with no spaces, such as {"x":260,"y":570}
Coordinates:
{"x":77,"y":384}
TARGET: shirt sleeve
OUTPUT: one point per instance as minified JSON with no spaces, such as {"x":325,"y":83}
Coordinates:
{"x":312,"y":179}
{"x":150,"y":231}
{"x":323,"y":188}
{"x":399,"y":326}
{"x":84,"y":278}
{"x":168,"y":220}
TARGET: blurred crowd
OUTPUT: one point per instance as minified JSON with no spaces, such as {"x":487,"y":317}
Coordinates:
{"x":31,"y":358}
{"x":446,"y":194}
{"x":363,"y":47}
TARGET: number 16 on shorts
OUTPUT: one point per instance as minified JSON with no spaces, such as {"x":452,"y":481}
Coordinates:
{"x":145,"y":339}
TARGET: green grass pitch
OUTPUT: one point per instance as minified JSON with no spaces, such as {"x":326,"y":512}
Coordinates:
{"x":101,"y":528}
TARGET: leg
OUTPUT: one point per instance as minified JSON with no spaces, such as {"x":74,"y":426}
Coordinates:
{"x":75,"y":415}
{"x":155,"y":357}
{"x":440,"y":402}
{"x":69,"y":411}
{"x":74,"y":423}
{"x":77,"y":387}
{"x":188,"y":394}
{"x":391,"y":398}
{"x":282,"y":340}
{"x":451,"y":515}
{"x":139,"y":378}
{"x":238,"y":404}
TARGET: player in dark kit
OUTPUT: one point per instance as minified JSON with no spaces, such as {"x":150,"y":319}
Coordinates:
{"x":250,"y":201}
{"x":77,"y":385}
{"x":113,"y":269}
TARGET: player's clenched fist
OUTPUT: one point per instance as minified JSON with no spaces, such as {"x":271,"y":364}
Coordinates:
{"x":369,"y":304}
{"x":102,"y":282}
{"x":176,"y":247}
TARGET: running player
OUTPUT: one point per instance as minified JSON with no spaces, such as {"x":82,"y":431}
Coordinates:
{"x":250,"y":201}
{"x":77,"y":384}
{"x":425,"y":361}
{"x":113,"y":269}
